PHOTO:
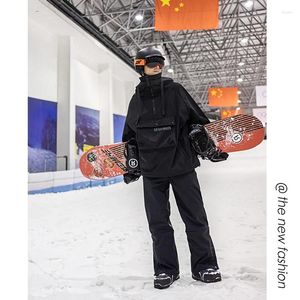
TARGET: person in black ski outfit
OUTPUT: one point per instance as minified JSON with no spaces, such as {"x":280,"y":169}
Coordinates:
{"x":163,"y":144}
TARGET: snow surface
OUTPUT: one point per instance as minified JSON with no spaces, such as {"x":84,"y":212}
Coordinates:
{"x":95,"y":244}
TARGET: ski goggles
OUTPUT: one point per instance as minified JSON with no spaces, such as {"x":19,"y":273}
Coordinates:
{"x":150,"y":62}
{"x":154,"y":64}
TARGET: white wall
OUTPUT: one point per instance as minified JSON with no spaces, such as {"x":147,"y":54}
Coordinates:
{"x":69,"y":66}
{"x":119,"y":96}
{"x":87,"y":90}
{"x":42,"y":62}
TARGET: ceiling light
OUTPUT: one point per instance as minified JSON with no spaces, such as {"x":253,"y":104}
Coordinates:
{"x":238,"y":108}
{"x":170,"y":70}
{"x":239,"y":80}
{"x":248,"y":4}
{"x":239,"y":92}
{"x":244,"y":41}
{"x":139,"y":17}
{"x":241,"y":63}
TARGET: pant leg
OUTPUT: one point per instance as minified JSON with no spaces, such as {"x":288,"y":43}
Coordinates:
{"x":157,"y":205}
{"x":190,"y":205}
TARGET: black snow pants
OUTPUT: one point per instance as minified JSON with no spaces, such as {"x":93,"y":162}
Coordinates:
{"x":190,"y":205}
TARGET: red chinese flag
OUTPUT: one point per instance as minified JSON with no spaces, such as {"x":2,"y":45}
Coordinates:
{"x":186,"y":14}
{"x":230,"y":112}
{"x":223,"y":96}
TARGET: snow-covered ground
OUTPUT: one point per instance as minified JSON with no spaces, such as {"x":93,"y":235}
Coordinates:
{"x":94,"y":243}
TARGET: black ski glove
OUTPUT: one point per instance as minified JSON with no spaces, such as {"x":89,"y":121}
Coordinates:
{"x":204,"y":145}
{"x":132,"y":162}
{"x":128,"y":178}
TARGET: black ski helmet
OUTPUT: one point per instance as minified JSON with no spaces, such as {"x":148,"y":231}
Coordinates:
{"x":147,"y":55}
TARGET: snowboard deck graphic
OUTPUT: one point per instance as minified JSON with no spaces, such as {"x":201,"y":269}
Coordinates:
{"x":236,"y":133}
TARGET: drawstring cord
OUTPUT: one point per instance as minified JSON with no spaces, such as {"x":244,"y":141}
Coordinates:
{"x":163,"y":110}
{"x":139,"y":101}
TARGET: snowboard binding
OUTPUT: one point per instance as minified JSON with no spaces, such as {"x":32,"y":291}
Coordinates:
{"x":204,"y":145}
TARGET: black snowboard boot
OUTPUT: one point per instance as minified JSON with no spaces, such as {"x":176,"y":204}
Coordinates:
{"x":163,"y":280}
{"x":208,"y":275}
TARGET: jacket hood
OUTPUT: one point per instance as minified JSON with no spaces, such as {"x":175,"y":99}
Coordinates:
{"x":154,"y":82}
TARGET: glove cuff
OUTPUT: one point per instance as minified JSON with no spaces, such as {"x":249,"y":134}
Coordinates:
{"x":132,"y":157}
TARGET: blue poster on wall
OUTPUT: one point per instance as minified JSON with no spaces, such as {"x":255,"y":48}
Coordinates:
{"x":87,"y":129}
{"x":42,"y":130}
{"x":119,"y":122}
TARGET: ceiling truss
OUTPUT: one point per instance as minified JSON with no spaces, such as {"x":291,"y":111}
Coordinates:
{"x":200,"y":59}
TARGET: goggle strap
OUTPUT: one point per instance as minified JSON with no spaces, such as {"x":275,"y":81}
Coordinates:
{"x":140,"y":62}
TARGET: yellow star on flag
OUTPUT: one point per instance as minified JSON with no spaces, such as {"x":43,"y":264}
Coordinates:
{"x":165,"y":2}
{"x":220,"y":93}
{"x":193,"y":14}
{"x":213,"y":92}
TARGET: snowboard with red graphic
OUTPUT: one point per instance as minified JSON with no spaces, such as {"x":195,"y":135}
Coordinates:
{"x":236,"y":133}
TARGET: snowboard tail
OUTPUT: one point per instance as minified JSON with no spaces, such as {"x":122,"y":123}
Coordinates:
{"x":232,"y":134}
{"x":237,"y":133}
{"x":103,"y":161}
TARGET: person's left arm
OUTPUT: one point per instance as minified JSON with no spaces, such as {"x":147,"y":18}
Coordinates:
{"x":195,"y":113}
{"x":200,"y":140}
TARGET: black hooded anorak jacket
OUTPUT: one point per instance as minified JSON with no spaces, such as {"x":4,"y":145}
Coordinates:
{"x":158,"y":118}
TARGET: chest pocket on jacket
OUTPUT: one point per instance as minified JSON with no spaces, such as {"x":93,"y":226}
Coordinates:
{"x":156,"y":134}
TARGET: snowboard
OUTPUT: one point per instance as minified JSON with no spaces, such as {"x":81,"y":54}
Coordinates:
{"x":236,"y":133}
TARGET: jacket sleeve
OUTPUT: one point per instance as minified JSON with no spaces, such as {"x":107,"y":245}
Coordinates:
{"x":196,"y":115}
{"x":128,"y":131}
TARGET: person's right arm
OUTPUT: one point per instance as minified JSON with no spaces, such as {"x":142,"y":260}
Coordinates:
{"x":131,"y":149}
{"x":128,"y":131}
